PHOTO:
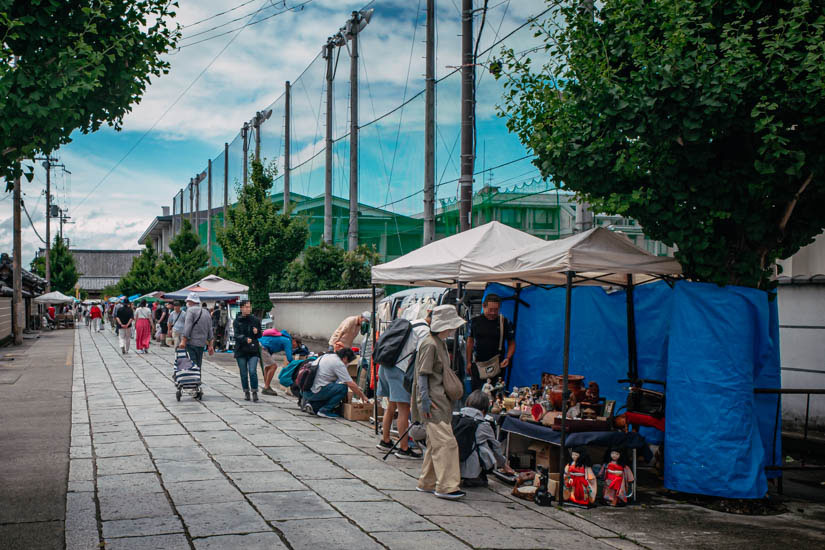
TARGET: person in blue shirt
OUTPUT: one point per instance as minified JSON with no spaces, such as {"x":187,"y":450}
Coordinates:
{"x":272,"y":345}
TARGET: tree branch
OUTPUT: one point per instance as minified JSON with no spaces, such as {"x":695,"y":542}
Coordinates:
{"x":789,"y":209}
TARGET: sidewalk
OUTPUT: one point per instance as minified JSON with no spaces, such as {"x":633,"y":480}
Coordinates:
{"x":148,"y":471}
{"x":35,"y":406}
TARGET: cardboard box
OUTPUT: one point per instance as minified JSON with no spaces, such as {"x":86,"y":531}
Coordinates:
{"x":546,"y":455}
{"x":553,"y":483}
{"x":357,"y":411}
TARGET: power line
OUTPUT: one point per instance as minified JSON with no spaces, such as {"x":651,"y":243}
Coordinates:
{"x":23,"y":204}
{"x":217,"y":14}
{"x":146,"y":133}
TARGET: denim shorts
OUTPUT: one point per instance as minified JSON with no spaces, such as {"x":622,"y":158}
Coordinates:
{"x":391,"y":384}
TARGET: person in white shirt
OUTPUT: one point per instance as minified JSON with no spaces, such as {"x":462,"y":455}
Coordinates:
{"x":330,"y":386}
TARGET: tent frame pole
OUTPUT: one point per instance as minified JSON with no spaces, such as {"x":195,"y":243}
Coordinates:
{"x":373,"y":329}
{"x":515,"y":329}
{"x":565,"y":392}
{"x":458,"y":297}
{"x":632,"y":357}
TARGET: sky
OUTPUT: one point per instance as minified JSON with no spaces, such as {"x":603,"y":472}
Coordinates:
{"x":120,"y":180}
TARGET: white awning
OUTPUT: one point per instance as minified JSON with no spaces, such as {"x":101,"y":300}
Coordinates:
{"x":55,"y":297}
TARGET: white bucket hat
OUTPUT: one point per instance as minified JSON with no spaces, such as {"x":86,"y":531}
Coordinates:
{"x":445,"y":318}
{"x":193,"y":297}
{"x":367,"y":315}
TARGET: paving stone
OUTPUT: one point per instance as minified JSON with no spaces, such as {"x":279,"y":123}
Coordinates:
{"x":252,"y":541}
{"x":384,"y":516}
{"x":80,"y":512}
{"x":289,"y":454}
{"x":153,"y":441}
{"x":567,"y":539}
{"x":515,"y":515}
{"x":296,"y":425}
{"x":364,"y":462}
{"x":127,"y":484}
{"x":316,"y":436}
{"x":205,"y":426}
{"x":124,"y":465}
{"x":345,"y":490}
{"x":108,"y":427}
{"x":312,"y":534}
{"x":417,"y":540}
{"x":188,"y":453}
{"x":266,"y":482}
{"x":575,"y":522}
{"x":80,"y":452}
{"x":81,"y":486}
{"x":141,"y":527}
{"x":485,"y":494}
{"x":115,"y":437}
{"x":225,"y":518}
{"x":484,"y":532}
{"x":274,"y":439}
{"x":168,"y":428}
{"x":427,"y":504}
{"x":292,"y":505}
{"x":202,"y":492}
{"x":316,"y":469}
{"x":154,"y":542}
{"x":259,"y":463}
{"x":386,"y":479}
{"x":127,"y":448}
{"x":80,"y":469}
{"x":146,"y":505}
{"x":172,"y":471}
{"x":621,"y":544}
{"x":82,"y":539}
{"x":332,"y":448}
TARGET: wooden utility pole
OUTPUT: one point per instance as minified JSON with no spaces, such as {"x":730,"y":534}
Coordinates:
{"x":47,"y":164}
{"x":467,"y":116}
{"x":429,"y":129}
{"x":328,"y":49}
{"x":287,"y":115}
{"x":353,"y":135}
{"x":17,"y":267}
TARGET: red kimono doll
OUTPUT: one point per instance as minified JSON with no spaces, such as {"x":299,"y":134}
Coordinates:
{"x":579,"y":479}
{"x":616,"y":478}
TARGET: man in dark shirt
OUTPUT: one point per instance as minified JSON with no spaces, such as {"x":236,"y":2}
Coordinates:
{"x":125,"y":320}
{"x":482,"y":344}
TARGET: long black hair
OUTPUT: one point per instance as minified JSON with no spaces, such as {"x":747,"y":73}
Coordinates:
{"x":584,"y":457}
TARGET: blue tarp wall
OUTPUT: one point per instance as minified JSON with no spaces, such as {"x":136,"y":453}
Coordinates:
{"x":713,"y":345}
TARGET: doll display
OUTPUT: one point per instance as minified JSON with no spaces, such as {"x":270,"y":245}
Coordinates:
{"x":498,"y":389}
{"x":617,"y":476}
{"x":487,"y":388}
{"x":579,"y":480}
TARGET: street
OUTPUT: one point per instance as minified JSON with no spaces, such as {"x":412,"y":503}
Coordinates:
{"x":147,"y":471}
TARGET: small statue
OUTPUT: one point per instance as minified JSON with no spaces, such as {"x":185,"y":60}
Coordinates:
{"x":574,"y":409}
{"x":579,"y":480}
{"x":498,"y":389}
{"x":591,"y":395}
{"x":514,"y":393}
{"x":617,"y":475}
{"x":487,"y":388}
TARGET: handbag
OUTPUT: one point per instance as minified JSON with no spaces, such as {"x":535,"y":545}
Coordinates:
{"x":452,"y":385}
{"x":492,"y":367}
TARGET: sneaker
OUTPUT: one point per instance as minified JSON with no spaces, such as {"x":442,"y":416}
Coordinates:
{"x":329,"y":414}
{"x":455,"y":495}
{"x":409,"y":454}
{"x":422,"y":490}
{"x":384,"y":445}
{"x":307,"y":408}
{"x":268,"y":391}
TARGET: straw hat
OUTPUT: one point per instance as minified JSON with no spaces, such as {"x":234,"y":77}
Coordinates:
{"x":445,"y":318}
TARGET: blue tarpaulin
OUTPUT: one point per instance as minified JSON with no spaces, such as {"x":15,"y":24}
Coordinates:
{"x":712,"y":345}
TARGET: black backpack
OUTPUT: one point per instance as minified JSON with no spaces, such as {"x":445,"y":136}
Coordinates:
{"x":464,"y":431}
{"x":391,"y":343}
{"x":306,"y":374}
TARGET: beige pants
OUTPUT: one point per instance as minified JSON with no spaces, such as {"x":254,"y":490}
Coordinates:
{"x":440,"y":470}
{"x":124,"y":335}
{"x":176,"y":338}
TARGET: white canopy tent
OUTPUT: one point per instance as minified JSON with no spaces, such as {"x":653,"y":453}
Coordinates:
{"x":218,"y":284}
{"x":54,"y":297}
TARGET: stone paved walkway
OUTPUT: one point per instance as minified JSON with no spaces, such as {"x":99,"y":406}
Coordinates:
{"x":150,"y":472}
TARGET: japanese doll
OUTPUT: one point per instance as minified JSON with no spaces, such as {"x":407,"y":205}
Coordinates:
{"x":579,"y":480}
{"x":617,"y":475}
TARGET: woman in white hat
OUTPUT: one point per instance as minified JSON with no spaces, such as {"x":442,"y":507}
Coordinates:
{"x":432,"y":405}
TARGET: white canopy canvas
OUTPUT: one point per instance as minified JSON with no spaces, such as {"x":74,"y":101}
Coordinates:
{"x":218,"y":284}
{"x":497,"y":253}
{"x":54,"y":297}
{"x":461,"y":257}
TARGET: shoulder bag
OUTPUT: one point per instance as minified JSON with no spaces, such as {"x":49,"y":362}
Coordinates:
{"x":492,"y":367}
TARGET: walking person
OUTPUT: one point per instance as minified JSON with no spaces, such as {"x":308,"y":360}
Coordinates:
{"x":124,"y":318}
{"x":435,"y":387}
{"x":177,"y":318}
{"x":97,"y":316}
{"x":197,"y":330}
{"x":162,"y":318}
{"x":247,"y":329}
{"x":143,"y":327}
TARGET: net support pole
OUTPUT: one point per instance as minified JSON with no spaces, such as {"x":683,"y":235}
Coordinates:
{"x":328,"y":150}
{"x":209,"y":209}
{"x":429,"y":129}
{"x":352,"y":241}
{"x":287,"y":137}
{"x":374,"y":332}
{"x":467,"y":115}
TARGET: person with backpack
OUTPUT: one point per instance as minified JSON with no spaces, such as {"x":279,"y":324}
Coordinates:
{"x":330,"y":383}
{"x":435,"y":388}
{"x":391,"y":385}
{"x":478,"y":448}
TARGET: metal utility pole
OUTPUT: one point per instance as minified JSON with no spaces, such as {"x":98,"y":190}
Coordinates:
{"x":328,"y":148}
{"x":191,"y":198}
{"x":287,"y":114}
{"x":225,"y":181}
{"x":197,"y":208}
{"x":353,"y":133}
{"x":244,"y":135}
{"x":17,"y":268}
{"x":209,"y":210}
{"x":467,"y":116}
{"x":429,"y":129}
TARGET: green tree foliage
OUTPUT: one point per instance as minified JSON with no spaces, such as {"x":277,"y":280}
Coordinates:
{"x":142,"y":277}
{"x":704,"y":120}
{"x":259,"y":241}
{"x":187,"y":262}
{"x":328,"y":267}
{"x":64,"y":273}
{"x":74,"y":65}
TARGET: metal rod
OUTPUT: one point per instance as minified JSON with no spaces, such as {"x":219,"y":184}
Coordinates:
{"x":429,"y":129}
{"x":245,"y":136}
{"x":225,"y":183}
{"x":191,"y":198}
{"x":807,"y":415}
{"x":635,"y":476}
{"x":328,"y":151}
{"x":632,"y":362}
{"x":374,"y":332}
{"x":565,"y":392}
{"x":515,"y":327}
{"x":209,"y":210}
{"x":467,"y":116}
{"x":287,"y":138}
{"x":352,"y":243}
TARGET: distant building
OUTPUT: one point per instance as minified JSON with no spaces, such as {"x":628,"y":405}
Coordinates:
{"x":33,"y":286}
{"x":159,"y":233}
{"x":101,"y":268}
